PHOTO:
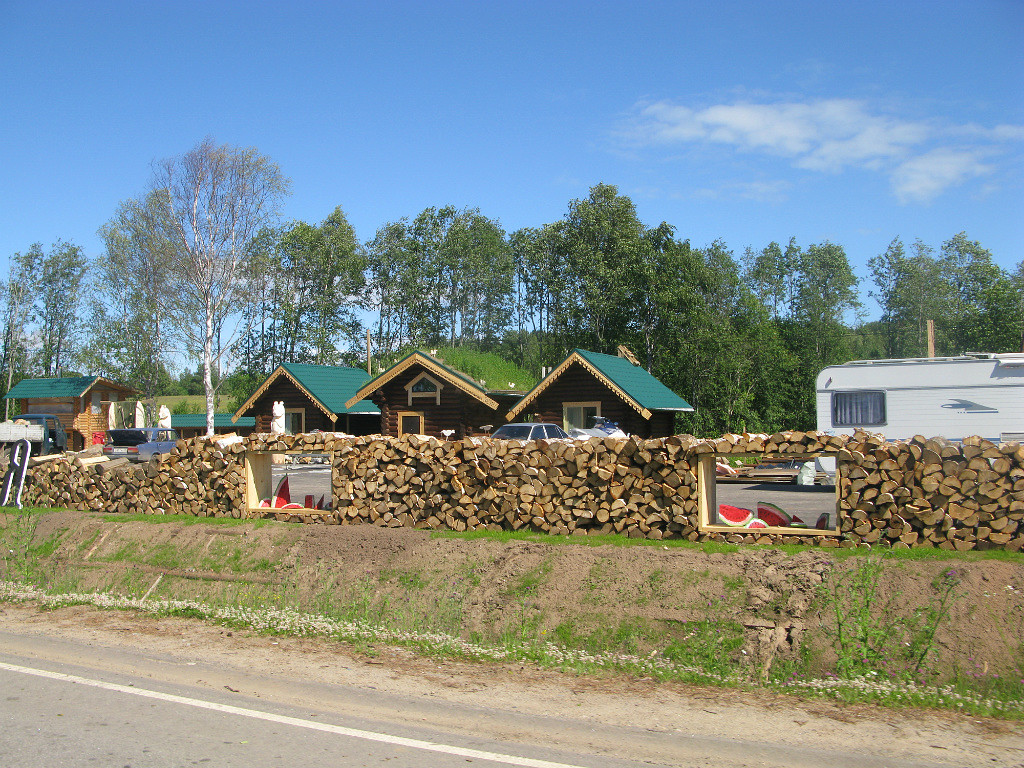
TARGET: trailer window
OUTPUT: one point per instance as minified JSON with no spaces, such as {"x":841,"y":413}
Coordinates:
{"x":858,"y":409}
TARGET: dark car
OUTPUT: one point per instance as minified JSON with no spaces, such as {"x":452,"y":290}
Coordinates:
{"x":528,"y":431}
{"x":140,"y":443}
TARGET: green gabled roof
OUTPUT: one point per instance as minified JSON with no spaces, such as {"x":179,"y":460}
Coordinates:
{"x":435,"y":366}
{"x":220,"y":420}
{"x":632,"y":383}
{"x":333,"y":385}
{"x":75,"y":386}
{"x":330,"y":387}
{"x":636,"y":382}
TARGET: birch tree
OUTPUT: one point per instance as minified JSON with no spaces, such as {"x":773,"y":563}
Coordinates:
{"x":215,"y":198}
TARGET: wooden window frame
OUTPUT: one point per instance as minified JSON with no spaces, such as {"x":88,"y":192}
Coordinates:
{"x":436,"y":395}
{"x":404,"y":414}
{"x":301,"y":411}
{"x":707,"y":498}
{"x":580,"y":404}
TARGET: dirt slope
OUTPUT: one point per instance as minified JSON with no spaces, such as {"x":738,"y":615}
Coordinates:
{"x":635,"y":598}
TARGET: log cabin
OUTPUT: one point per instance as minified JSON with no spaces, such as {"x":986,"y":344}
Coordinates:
{"x":78,"y":402}
{"x":422,"y":395}
{"x":590,"y":384}
{"x":315,"y":397}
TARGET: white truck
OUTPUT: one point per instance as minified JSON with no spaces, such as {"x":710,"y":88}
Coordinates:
{"x":977,"y":393}
{"x":44,"y":431}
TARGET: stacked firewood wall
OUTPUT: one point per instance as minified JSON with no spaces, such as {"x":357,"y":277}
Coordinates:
{"x":639,"y":488}
{"x":912,"y":494}
{"x":199,"y":477}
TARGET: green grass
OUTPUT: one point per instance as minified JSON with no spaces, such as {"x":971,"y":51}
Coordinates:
{"x":714,"y":547}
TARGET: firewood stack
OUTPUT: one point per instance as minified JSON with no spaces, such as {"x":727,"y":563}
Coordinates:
{"x":643,"y":488}
{"x":917,"y":493}
{"x":934,"y":493}
{"x":199,"y":477}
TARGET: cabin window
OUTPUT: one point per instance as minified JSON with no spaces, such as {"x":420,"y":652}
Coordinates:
{"x":410,"y":423}
{"x":580,"y":415}
{"x":424,"y":386}
{"x":294,"y":421}
{"x":858,"y":409}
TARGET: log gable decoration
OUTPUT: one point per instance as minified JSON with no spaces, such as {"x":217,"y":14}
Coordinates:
{"x":318,"y":395}
{"x":422,"y":395}
{"x":613,"y":387}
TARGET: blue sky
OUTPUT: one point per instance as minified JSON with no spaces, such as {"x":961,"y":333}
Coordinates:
{"x":745,"y":122}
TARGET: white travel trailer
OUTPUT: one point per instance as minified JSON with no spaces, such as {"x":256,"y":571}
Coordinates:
{"x":952,"y":397}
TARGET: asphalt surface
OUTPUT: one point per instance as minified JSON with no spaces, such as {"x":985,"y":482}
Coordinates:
{"x":59,"y":714}
{"x":807,"y":502}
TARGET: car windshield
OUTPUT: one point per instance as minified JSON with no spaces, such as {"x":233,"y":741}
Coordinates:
{"x":514,"y":432}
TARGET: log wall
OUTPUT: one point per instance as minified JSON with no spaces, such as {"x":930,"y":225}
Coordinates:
{"x":920,"y":493}
{"x":457,"y":410}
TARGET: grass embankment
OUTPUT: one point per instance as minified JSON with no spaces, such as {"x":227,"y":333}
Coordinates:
{"x":863,"y":652}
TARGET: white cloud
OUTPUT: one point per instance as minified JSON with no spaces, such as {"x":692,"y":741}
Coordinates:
{"x":926,"y":176}
{"x":828,"y":135}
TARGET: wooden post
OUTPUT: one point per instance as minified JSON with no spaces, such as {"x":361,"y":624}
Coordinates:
{"x":931,"y":338}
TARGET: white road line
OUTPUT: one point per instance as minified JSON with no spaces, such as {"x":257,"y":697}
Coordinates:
{"x":354,"y":733}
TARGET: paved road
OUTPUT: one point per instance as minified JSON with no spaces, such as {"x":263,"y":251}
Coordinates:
{"x":66,"y":715}
{"x":87,"y":689}
{"x":305,"y":479}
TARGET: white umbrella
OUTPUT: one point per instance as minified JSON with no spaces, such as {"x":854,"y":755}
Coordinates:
{"x":140,"y":414}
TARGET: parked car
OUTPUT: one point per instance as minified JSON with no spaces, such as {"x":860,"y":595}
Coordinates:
{"x":529,"y":431}
{"x":140,"y":443}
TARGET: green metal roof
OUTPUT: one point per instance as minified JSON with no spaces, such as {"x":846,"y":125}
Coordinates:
{"x":47,"y":388}
{"x":220,"y":420}
{"x":333,"y":385}
{"x":636,"y":382}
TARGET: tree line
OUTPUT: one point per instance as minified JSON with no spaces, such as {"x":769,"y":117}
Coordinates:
{"x":199,"y":268}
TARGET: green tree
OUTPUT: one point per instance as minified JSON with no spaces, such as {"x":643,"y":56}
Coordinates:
{"x":58,"y":301}
{"x":446,"y":277}
{"x":910,"y":291}
{"x":975,"y":291}
{"x":319,"y":275}
{"x":18,"y":293}
{"x":215,"y":199}
{"x":130,"y":290}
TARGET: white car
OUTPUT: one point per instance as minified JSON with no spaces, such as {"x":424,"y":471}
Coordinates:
{"x":529,"y":431}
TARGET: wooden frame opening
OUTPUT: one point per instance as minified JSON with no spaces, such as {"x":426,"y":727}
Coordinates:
{"x":773,"y":517}
{"x":424,"y":387}
{"x":294,"y":421}
{"x":261,"y":484}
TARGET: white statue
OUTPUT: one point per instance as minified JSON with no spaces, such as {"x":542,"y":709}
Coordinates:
{"x":165,"y":418}
{"x":277,"y":423}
